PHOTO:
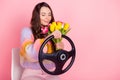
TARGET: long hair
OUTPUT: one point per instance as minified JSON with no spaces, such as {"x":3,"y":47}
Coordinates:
{"x":35,"y":20}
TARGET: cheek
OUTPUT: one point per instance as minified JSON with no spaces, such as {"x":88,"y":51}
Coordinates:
{"x":42,"y":20}
{"x":50,"y":18}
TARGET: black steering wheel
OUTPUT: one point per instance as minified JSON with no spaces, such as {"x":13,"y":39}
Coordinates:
{"x":59,"y":57}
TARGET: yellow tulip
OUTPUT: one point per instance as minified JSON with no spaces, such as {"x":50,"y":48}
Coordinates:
{"x":56,"y":27}
{"x":54,"y":23}
{"x":59,"y":27}
{"x":66,"y":26}
{"x":59,"y":23}
{"x":52,"y":28}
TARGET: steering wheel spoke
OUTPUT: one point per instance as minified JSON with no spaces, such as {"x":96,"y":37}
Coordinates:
{"x":49,"y":57}
{"x":59,"y":67}
{"x":70,"y":54}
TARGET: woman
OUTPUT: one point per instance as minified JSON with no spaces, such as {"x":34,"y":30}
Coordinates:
{"x":31,"y":40}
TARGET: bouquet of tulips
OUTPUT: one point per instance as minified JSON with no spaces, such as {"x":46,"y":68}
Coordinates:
{"x":64,"y":28}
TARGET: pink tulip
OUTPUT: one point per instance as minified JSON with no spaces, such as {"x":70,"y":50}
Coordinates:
{"x":44,"y":30}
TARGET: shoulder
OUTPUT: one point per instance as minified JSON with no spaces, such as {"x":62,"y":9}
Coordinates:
{"x":26,"y":30}
{"x":26,"y":33}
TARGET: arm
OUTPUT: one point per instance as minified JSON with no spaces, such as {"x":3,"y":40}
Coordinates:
{"x":29,"y":48}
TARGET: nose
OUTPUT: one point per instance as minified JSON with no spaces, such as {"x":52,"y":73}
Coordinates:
{"x":46,"y":17}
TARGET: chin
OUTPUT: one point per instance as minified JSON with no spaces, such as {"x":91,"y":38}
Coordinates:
{"x":46,"y":23}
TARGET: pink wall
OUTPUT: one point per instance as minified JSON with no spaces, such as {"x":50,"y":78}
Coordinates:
{"x":95,"y":31}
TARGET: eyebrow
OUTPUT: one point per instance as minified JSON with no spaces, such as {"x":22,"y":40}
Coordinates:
{"x":45,"y":13}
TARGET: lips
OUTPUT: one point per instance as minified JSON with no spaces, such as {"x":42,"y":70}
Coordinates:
{"x":47,"y":22}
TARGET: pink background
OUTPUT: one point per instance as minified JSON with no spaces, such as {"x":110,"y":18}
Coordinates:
{"x":95,"y":31}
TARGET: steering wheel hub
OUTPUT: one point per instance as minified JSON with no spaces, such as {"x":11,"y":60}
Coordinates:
{"x":62,"y":57}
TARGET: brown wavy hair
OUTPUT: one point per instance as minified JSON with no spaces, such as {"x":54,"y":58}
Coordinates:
{"x":35,"y":20}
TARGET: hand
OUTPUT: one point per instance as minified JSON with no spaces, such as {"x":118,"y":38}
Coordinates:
{"x":57,"y":34}
{"x":60,"y":45}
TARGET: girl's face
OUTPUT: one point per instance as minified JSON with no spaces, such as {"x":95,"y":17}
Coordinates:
{"x":45,"y":15}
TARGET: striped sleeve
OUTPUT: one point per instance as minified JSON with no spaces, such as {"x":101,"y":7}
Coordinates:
{"x":29,"y":48}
